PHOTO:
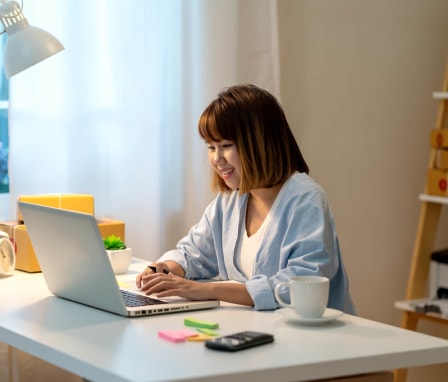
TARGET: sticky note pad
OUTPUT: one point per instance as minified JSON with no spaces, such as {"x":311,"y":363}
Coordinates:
{"x":200,"y":324}
{"x":177,"y":335}
{"x":187,"y":332}
{"x":209,"y":332}
{"x":200,"y":338}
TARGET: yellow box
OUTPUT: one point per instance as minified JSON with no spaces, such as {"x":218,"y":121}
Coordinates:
{"x":437,"y":182}
{"x":439,"y":138}
{"x":442,"y":159}
{"x":111,"y":227}
{"x":26,"y":259}
{"x":73,"y":202}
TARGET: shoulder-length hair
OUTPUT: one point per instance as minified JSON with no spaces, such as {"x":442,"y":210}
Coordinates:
{"x":255,"y":122}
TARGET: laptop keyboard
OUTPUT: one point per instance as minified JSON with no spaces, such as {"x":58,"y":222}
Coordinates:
{"x":133,"y":299}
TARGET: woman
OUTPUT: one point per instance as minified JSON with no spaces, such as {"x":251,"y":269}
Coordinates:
{"x":270,"y":221}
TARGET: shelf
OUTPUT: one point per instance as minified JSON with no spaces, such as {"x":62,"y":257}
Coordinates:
{"x":433,"y":198}
{"x":409,"y":306}
{"x":440,"y":95}
{"x":414,"y":308}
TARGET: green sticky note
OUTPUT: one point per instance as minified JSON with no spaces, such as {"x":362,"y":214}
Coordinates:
{"x":200,"y":324}
{"x":209,"y":332}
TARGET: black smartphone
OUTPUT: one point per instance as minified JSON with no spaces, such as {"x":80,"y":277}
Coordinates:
{"x":239,"y":341}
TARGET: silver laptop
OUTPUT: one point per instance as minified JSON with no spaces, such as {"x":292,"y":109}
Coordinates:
{"x":75,"y":265}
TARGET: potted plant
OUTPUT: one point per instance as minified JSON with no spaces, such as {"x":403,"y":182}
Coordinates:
{"x":119,"y":255}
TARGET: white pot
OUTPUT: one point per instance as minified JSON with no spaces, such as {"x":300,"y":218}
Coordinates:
{"x":120,"y":259}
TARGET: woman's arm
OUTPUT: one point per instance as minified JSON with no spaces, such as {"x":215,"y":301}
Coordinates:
{"x":166,"y":285}
{"x":235,"y":293}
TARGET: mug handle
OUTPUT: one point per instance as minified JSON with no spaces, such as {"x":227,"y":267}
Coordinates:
{"x":277,"y":294}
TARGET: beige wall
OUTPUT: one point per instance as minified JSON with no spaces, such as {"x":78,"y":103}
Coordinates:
{"x":357,"y":83}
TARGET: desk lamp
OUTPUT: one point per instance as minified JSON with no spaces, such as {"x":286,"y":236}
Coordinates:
{"x":26,"y":45}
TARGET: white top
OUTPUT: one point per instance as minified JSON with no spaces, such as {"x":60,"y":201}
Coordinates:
{"x":248,"y":248}
{"x":101,"y":346}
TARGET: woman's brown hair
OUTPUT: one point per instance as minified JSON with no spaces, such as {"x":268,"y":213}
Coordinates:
{"x":255,"y":122}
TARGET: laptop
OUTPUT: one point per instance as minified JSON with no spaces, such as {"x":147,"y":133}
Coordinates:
{"x":75,"y":265}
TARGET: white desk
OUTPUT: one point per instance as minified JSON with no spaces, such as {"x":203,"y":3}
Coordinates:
{"x":101,"y":346}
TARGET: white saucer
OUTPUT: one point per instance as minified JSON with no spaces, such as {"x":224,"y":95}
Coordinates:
{"x":329,"y":315}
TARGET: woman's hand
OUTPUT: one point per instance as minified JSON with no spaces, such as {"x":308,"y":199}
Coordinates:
{"x":162,"y":267}
{"x":150,"y":269}
{"x":167,"y":285}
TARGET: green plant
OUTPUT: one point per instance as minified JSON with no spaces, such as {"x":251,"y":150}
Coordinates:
{"x":113,"y":243}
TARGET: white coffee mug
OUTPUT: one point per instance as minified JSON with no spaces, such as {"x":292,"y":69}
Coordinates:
{"x":308,"y":294}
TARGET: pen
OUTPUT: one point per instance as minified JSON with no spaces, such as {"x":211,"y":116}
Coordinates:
{"x":153,"y":268}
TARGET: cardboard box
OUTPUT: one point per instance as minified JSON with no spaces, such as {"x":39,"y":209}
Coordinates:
{"x":26,"y":259}
{"x":73,"y":202}
{"x":439,"y":138}
{"x":437,"y":182}
{"x":442,"y":159}
{"x":111,"y":227}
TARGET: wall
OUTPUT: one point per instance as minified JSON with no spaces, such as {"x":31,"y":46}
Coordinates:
{"x":357,"y":83}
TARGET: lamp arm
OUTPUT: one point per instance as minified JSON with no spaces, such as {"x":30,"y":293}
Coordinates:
{"x":6,"y":10}
{"x":11,"y":16}
{"x":10,"y":10}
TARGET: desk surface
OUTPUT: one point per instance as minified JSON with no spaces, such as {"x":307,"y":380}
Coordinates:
{"x":101,"y":346}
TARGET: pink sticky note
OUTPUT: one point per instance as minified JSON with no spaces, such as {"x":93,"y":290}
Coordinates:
{"x":177,"y":335}
{"x":187,"y":332}
{"x":171,"y":335}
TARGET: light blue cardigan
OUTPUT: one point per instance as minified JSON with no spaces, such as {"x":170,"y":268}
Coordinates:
{"x":300,"y":239}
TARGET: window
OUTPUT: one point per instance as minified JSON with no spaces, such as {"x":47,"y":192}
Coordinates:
{"x":4,"y":145}
{"x":4,"y":137}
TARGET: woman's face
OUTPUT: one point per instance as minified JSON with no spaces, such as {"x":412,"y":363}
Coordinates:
{"x":224,"y":158}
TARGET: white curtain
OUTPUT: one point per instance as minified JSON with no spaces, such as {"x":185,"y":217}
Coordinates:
{"x":115,"y":114}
